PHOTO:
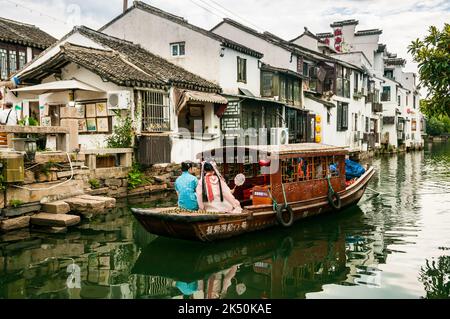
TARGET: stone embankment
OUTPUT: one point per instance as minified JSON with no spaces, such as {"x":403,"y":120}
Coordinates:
{"x":54,"y":197}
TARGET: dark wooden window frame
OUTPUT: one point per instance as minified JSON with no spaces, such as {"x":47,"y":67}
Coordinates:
{"x":13,"y":48}
{"x":241,"y":70}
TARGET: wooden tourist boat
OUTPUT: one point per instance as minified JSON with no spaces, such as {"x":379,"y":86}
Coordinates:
{"x":299,"y":183}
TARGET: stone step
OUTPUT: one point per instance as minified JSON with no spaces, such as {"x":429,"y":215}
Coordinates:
{"x":109,"y":201}
{"x":14,"y":223}
{"x":85,"y":205}
{"x":59,"y":207}
{"x":56,"y":220}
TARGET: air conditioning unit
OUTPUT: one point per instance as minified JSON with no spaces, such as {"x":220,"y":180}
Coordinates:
{"x":120,"y":100}
{"x":279,"y":136}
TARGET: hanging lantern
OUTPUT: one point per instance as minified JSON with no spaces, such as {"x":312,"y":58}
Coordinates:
{"x":318,"y":139}
{"x":318,"y":119}
{"x":30,"y":149}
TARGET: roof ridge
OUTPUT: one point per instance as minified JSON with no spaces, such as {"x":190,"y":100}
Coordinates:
{"x":19,"y":22}
{"x":85,"y":28}
{"x":73,"y":45}
{"x":153,"y":10}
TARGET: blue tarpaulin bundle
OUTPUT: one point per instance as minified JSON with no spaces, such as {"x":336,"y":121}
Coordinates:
{"x":353,"y":170}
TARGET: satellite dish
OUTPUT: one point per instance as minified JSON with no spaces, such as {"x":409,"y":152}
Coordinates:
{"x":239,"y":180}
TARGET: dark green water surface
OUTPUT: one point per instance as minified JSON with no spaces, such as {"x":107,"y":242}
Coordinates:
{"x":396,"y":245}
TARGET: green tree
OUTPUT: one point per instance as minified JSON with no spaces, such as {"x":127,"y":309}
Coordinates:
{"x":433,"y":56}
{"x":123,"y":134}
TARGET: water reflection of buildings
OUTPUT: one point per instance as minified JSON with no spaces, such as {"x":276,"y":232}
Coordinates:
{"x":35,"y":265}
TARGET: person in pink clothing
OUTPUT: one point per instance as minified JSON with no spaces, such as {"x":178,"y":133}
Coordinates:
{"x":213,"y":193}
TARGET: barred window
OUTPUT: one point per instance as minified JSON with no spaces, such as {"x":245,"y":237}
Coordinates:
{"x":155,"y":111}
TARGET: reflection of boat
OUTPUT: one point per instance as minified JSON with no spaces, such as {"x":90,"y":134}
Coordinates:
{"x":305,"y":180}
{"x":277,"y":263}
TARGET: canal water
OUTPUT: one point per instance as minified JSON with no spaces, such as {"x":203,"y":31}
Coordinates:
{"x":394,"y":245}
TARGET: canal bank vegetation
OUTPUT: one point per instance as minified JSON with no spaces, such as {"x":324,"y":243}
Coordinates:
{"x":433,"y":56}
{"x":438,"y":126}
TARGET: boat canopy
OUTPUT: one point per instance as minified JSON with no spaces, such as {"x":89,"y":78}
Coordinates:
{"x":312,"y":149}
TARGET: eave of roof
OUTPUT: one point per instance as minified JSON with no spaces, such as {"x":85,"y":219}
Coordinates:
{"x":24,"y":34}
{"x":183,"y":22}
{"x":267,"y":67}
{"x":368,"y":32}
{"x":325,"y":35}
{"x":107,"y":64}
{"x":344,"y":22}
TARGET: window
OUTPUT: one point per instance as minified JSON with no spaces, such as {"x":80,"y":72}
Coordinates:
{"x":22,"y":59}
{"x":328,"y":117}
{"x":399,"y":100}
{"x":407,"y":99}
{"x":305,"y":69}
{"x":356,"y":77}
{"x":343,"y":81}
{"x":267,"y":83}
{"x":367,"y":125}
{"x":290,"y":90}
{"x":3,"y":64}
{"x":295,"y":170}
{"x":355,"y":122}
{"x":241,"y":70}
{"x":414,"y":101}
{"x":386,"y":95}
{"x":342,"y":116}
{"x":178,"y":49}
{"x":389,"y":74}
{"x":376,"y":96}
{"x":155,"y":111}
{"x":12,"y":61}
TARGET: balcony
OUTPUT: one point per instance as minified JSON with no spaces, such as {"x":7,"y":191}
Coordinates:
{"x":377,"y":107}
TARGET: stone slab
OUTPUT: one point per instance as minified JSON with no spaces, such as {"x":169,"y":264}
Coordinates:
{"x":14,"y":223}
{"x":75,"y":172}
{"x":42,"y":193}
{"x":98,"y":191}
{"x":57,"y":220}
{"x":113,"y":182}
{"x":59,"y":207}
{"x":108,"y":201}
{"x":19,"y":211}
{"x":83,"y":205}
{"x":50,"y":230}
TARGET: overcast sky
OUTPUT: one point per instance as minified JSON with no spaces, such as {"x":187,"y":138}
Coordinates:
{"x":401,"y":20}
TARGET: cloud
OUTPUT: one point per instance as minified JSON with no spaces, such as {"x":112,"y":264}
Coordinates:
{"x":401,"y":21}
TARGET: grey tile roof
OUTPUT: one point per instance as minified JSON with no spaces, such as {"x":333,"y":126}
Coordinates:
{"x":107,"y":64}
{"x":344,"y":22}
{"x":368,"y":32}
{"x":151,"y":63}
{"x":24,"y":34}
{"x":166,"y":15}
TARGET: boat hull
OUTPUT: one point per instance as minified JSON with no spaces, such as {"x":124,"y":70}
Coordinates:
{"x":208,"y":228}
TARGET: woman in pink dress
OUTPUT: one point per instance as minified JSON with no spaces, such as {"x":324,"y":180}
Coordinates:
{"x":213,"y":193}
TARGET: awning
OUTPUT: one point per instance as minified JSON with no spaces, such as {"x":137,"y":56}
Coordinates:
{"x":186,"y":96}
{"x":57,"y":86}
